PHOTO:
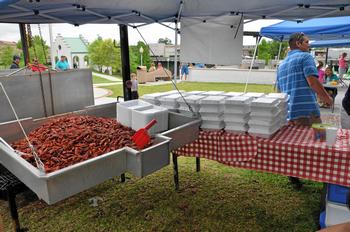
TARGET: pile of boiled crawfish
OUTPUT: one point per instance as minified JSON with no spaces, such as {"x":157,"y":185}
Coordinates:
{"x":72,"y":139}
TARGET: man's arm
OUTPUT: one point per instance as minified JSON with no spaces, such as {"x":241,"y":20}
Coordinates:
{"x":316,"y":86}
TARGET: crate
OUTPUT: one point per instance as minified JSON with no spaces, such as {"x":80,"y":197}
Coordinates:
{"x":337,"y":193}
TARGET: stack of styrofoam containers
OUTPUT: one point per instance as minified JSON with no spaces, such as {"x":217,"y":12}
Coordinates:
{"x":233,"y":94}
{"x":153,"y":98}
{"x":254,"y":95}
{"x":195,"y":93}
{"x":335,"y":211}
{"x":213,"y":93}
{"x":236,"y":113}
{"x":140,"y":118}
{"x":212,"y":112}
{"x":170,"y":101}
{"x":124,"y":110}
{"x":193,"y":101}
{"x":265,"y":117}
{"x":283,"y":97}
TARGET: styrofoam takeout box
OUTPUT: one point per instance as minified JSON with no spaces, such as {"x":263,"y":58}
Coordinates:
{"x":214,"y":125}
{"x":253,"y":94}
{"x":140,"y":118}
{"x":236,"y":118}
{"x":265,"y":102}
{"x":124,"y":110}
{"x":195,"y":92}
{"x":213,"y":93}
{"x":236,"y":127}
{"x":270,"y":112}
{"x":239,"y":100}
{"x":264,"y":131}
{"x":153,"y":98}
{"x":212,"y":116}
{"x":170,"y":101}
{"x":233,"y":94}
{"x":212,"y":104}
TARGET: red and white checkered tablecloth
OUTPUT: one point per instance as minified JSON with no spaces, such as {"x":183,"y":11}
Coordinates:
{"x":291,"y":152}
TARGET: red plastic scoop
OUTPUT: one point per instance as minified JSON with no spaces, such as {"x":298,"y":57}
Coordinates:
{"x":141,"y":138}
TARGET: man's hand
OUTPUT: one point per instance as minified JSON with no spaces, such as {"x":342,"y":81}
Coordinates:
{"x":316,"y":86}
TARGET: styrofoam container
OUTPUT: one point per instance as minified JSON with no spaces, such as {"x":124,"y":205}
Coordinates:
{"x":174,"y":92}
{"x":263,"y":131}
{"x":265,"y":102}
{"x":237,"y":127}
{"x":280,"y":96}
{"x":213,"y":93}
{"x":264,"y":120}
{"x":212,"y":100}
{"x":264,"y":111}
{"x":191,"y":99}
{"x":233,"y":94}
{"x":214,"y":125}
{"x":170,"y":101}
{"x":236,"y":109}
{"x":153,"y":98}
{"x":140,"y":118}
{"x":253,"y":94}
{"x":336,"y":214}
{"x":212,"y":116}
{"x":236,"y":118}
{"x":239,"y":100}
{"x":195,"y":92}
{"x":124,"y":110}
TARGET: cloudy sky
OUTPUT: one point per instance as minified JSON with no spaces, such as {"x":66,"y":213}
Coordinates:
{"x":10,"y":32}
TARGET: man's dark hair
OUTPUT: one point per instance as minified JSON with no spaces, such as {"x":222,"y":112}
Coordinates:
{"x":294,"y":38}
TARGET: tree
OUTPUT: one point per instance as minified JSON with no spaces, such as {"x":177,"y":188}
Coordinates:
{"x":38,"y":49}
{"x":104,"y":53}
{"x":165,"y":40}
{"x":135,"y":56}
{"x":6,"y":55}
{"x":268,"y":50}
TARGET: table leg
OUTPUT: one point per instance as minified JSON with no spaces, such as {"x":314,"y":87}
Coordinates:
{"x":176,"y":172}
{"x":11,"y":198}
{"x":198,"y":164}
{"x":122,"y":178}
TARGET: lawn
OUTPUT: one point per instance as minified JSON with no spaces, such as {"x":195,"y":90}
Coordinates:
{"x":98,"y":80}
{"x":191,"y":86}
{"x":218,"y":198}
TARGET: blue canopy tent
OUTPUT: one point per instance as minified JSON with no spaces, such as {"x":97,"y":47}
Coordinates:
{"x":315,"y":29}
{"x":330,"y":43}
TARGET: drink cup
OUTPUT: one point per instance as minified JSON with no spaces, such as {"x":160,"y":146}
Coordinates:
{"x":331,"y":135}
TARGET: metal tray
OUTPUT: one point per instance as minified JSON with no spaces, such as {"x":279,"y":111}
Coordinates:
{"x":61,"y":184}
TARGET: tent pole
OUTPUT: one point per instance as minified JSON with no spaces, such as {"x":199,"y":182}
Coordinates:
{"x":52,"y":49}
{"x":325,"y":63}
{"x":251,"y":64}
{"x":22,"y":30}
{"x":279,"y":51}
{"x":175,"y":47}
{"x":124,"y":51}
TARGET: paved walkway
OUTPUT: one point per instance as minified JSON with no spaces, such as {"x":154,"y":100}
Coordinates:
{"x":108,"y":77}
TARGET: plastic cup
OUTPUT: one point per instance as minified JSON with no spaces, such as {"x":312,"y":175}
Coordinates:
{"x":331,"y":135}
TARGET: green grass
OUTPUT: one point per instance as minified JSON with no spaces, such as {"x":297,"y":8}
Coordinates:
{"x":191,"y":86}
{"x":219,"y":198}
{"x":98,"y":80}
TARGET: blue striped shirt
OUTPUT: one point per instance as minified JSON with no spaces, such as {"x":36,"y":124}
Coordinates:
{"x":291,"y":79}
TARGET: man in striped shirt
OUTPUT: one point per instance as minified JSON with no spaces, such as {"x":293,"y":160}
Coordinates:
{"x":298,"y":77}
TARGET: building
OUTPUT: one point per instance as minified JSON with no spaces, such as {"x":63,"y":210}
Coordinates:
{"x":75,"y":49}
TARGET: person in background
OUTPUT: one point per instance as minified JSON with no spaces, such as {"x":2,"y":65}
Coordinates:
{"x":184,"y":71}
{"x":134,"y":86}
{"x":36,"y":66}
{"x":159,"y":66}
{"x":15,"y":62}
{"x":297,"y":76}
{"x":152,"y":68}
{"x":200,"y":65}
{"x":330,"y":76}
{"x":321,"y":72}
{"x":342,"y":65}
{"x":62,"y":64}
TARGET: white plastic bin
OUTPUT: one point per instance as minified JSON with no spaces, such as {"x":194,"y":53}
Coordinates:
{"x":140,"y":118}
{"x":124,"y":110}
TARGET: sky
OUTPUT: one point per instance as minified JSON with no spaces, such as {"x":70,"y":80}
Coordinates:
{"x":10,"y":32}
